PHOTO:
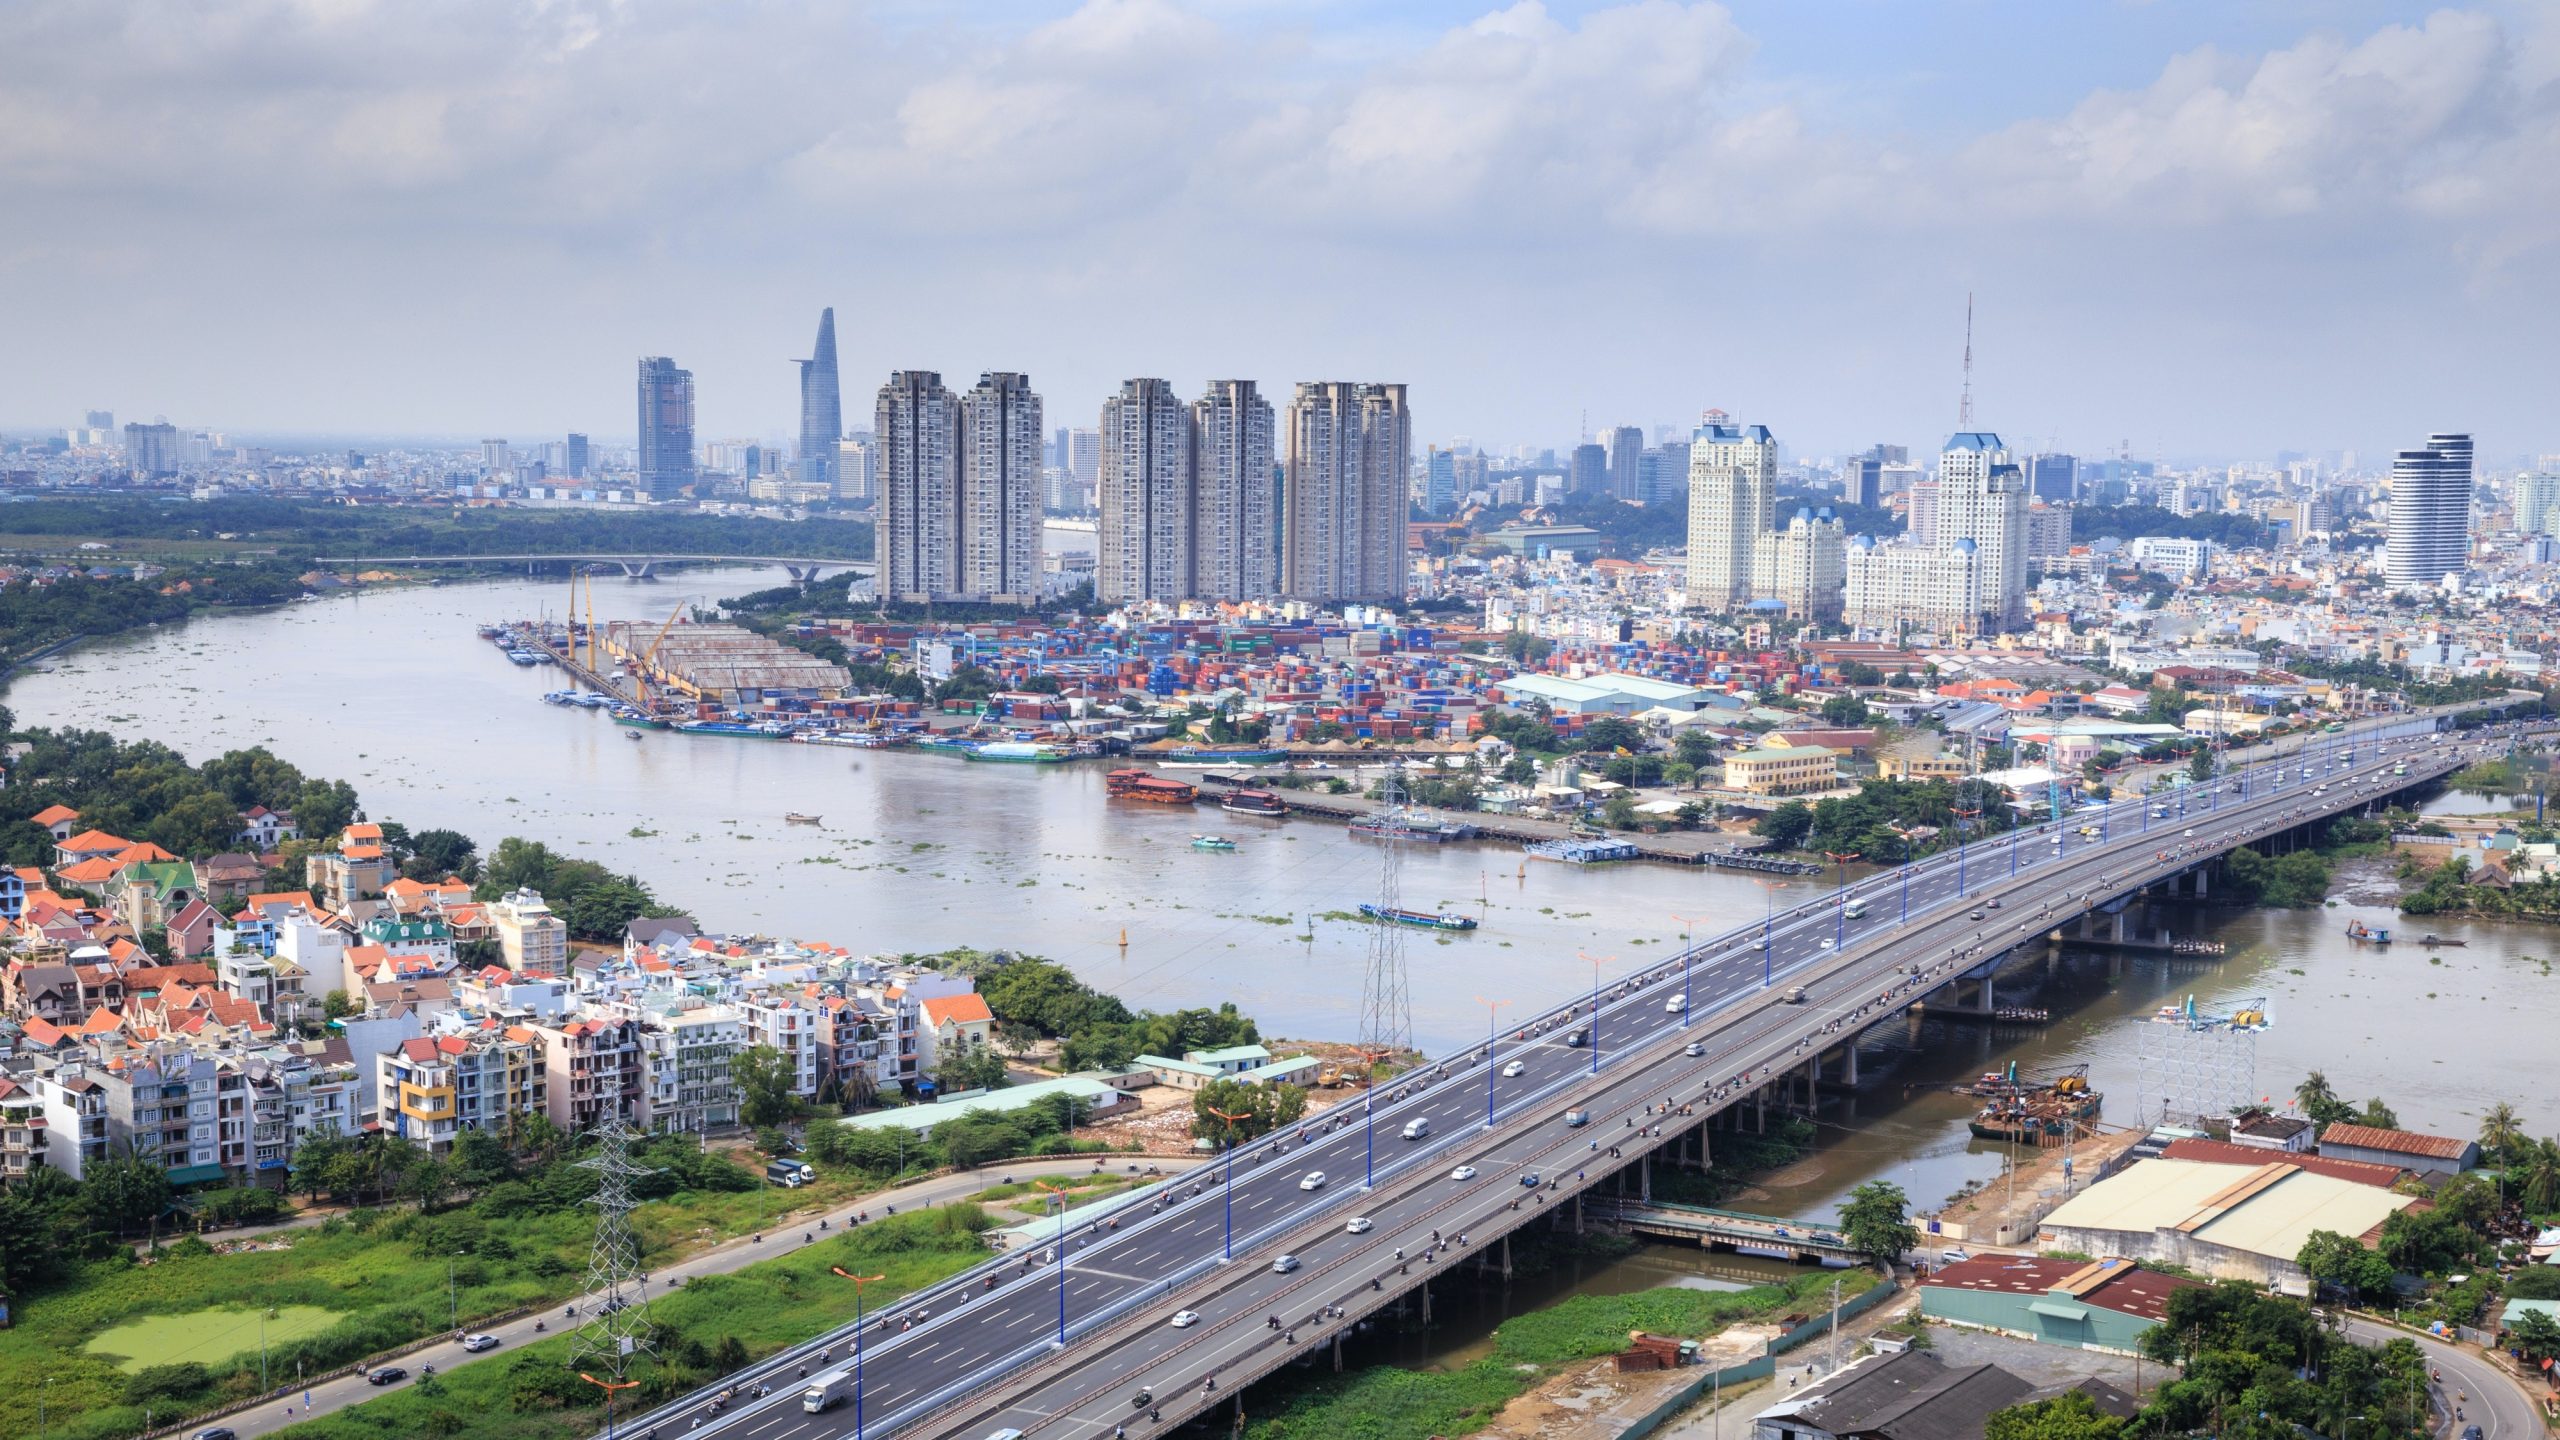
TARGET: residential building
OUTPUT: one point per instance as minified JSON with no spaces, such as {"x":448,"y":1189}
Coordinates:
{"x":532,"y":939}
{"x":1234,"y":509}
{"x":687,"y":1054}
{"x":955,"y":1025}
{"x":2431,"y":1156}
{"x":1662,"y":475}
{"x":666,"y":428}
{"x":1587,"y":472}
{"x":1889,"y":587}
{"x":23,"y":1129}
{"x":2179,"y":559}
{"x":1626,"y":457}
{"x":1348,"y":448}
{"x":2429,"y":533}
{"x":151,"y":450}
{"x":1148,"y":489}
{"x":857,"y":470}
{"x":1733,"y":501}
{"x":793,"y":1025}
{"x":1920,"y":514}
{"x":2048,"y":533}
{"x":432,"y":1089}
{"x":1982,"y":498}
{"x":2536,"y":502}
{"x":358,"y":869}
{"x":821,"y":407}
{"x":593,"y":1071}
{"x":917,"y":429}
{"x":1000,"y":490}
{"x":1802,"y":566}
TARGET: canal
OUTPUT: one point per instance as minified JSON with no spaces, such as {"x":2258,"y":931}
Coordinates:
{"x":395,"y":693}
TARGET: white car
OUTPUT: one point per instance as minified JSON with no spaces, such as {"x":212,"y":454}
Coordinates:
{"x":477,"y":1343}
{"x":1696,"y":1048}
{"x":1675,"y":1004}
{"x":1463,"y":1172}
{"x":1284,"y":1264}
{"x":1314,"y":1181}
{"x":1357,"y":1225}
{"x":1185,"y":1319}
{"x":1515,"y":1069}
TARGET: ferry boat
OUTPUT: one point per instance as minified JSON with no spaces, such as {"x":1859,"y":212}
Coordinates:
{"x":1397,"y":825}
{"x":1252,"y":802}
{"x":1016,"y":752}
{"x":1427,"y":919}
{"x":1137,"y":784}
{"x":1212,"y":842}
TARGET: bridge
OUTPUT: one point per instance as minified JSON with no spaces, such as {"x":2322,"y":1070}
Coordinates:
{"x":1358,"y":1209}
{"x":639,"y":566}
{"x":1727,"y":1229}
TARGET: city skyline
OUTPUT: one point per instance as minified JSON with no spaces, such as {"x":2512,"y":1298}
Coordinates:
{"x":2141,"y":283}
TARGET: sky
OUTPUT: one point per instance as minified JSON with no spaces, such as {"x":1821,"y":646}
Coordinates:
{"x":2209,"y":230}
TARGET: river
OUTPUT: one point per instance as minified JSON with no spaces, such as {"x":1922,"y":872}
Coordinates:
{"x":394,"y":692}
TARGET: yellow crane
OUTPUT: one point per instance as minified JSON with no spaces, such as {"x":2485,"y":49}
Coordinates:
{"x":640,"y":669}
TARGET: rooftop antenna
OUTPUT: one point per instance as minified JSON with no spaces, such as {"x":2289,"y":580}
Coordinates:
{"x":1964,"y":406}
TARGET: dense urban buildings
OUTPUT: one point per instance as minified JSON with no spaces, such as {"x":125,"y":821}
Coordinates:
{"x":821,"y":407}
{"x":2429,"y":535}
{"x":666,"y":428}
{"x":1982,"y":498}
{"x":1148,"y":496}
{"x":1349,"y":446}
{"x":1733,"y":501}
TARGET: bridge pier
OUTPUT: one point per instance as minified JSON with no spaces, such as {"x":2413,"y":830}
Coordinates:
{"x":639,"y":569}
{"x":1644,"y":1178}
{"x":1337,"y":1352}
{"x":803,"y":574}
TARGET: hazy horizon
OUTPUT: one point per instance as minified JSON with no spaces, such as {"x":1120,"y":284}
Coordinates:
{"x":2200,"y":230}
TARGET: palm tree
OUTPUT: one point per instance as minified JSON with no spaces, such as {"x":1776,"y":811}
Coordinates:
{"x":2541,"y":1178}
{"x":2501,"y":1128}
{"x":2314,"y":1093}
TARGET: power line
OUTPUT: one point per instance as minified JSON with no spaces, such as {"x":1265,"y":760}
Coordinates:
{"x":618,"y":1324}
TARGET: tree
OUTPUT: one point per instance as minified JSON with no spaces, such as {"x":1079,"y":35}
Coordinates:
{"x":1876,"y":1221}
{"x":2343,"y":1262}
{"x":2538,"y":1178}
{"x":1695,"y":748}
{"x":336,"y":1005}
{"x":1261,"y":1108}
{"x":970,"y":1067}
{"x":766,"y":1081}
{"x":1612,"y":733}
{"x":434,"y":854}
{"x":1845,"y":710}
{"x":1787,"y":826}
{"x":124,"y":1195}
{"x":2537,"y":1335}
{"x":2071,"y":1415}
{"x":2378,"y":1116}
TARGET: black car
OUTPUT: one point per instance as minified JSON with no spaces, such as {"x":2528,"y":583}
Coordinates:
{"x":387,"y":1375}
{"x":215,"y":1432}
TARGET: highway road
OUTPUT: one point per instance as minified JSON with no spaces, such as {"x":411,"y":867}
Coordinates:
{"x":2473,"y":1387}
{"x":1682,"y":1039}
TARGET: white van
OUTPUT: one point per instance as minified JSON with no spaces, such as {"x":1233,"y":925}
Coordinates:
{"x":1417,"y":1127}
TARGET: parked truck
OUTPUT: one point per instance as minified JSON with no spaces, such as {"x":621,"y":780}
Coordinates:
{"x":789,"y":1174}
{"x":827,"y":1391}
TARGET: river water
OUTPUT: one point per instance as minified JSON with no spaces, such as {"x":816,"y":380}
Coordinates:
{"x":394,"y":692}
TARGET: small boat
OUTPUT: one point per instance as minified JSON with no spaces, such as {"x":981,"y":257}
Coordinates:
{"x":2359,"y":931}
{"x":2431,"y":941}
{"x":1212,"y":842}
{"x":1427,"y":919}
{"x":631,"y":735}
{"x":796,"y":818}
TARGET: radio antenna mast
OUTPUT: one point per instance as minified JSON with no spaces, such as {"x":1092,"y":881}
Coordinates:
{"x":1964,"y":405}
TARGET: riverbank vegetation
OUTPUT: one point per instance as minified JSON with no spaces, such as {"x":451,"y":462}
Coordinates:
{"x":143,"y":790}
{"x":294,"y":531}
{"x":594,"y":902}
{"x":35,"y":617}
{"x":1865,"y":823}
{"x":1037,"y":999}
{"x":1385,"y":1402}
{"x":2454,"y":888}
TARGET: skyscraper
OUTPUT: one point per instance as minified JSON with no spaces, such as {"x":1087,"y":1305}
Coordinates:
{"x":496,"y":460}
{"x":1733,"y":501}
{"x":917,"y":425}
{"x":1626,"y":451}
{"x":2054,"y":479}
{"x":2429,"y":535}
{"x":1982,"y":498}
{"x":857,"y":470}
{"x":1349,"y":446}
{"x":573,"y":457}
{"x":666,"y":428}
{"x":821,"y":406}
{"x":1000,"y":438}
{"x":151,"y":449}
{"x":1862,"y":480}
{"x":1439,"y":483}
{"x":1234,"y":543}
{"x":1144,"y":549}
{"x":1084,"y":463}
{"x":2537,"y":503}
{"x":1588,"y":476}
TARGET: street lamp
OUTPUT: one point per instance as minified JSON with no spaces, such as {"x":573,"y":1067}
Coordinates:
{"x":452,"y":1294}
{"x":1961,"y":840}
{"x":1905,"y":837}
{"x":1490,"y":1037}
{"x":859,"y":1281}
{"x":608,"y":1387}
{"x":1840,"y":890}
{"x":1369,"y":1113}
{"x":1230,"y":1185}
{"x":1687,"y":923}
{"x":1596,"y":962}
{"x":1060,"y":1194}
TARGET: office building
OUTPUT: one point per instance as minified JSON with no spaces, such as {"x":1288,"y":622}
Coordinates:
{"x":1626,"y":452}
{"x":1982,"y":498}
{"x":821,"y":407}
{"x":1000,"y":489}
{"x":2537,"y":503}
{"x":857,"y":470}
{"x":1733,"y":501}
{"x":1146,"y":493}
{"x":1662,"y":475}
{"x":1348,"y":447}
{"x":2429,"y":533}
{"x":1802,"y":566}
{"x":916,"y":426}
{"x":666,"y":428}
{"x":151,"y":450}
{"x":1862,"y":480}
{"x":1084,"y":463}
{"x":2053,"y":479}
{"x":573,"y":457}
{"x":496,"y":461}
{"x":1439,"y":483}
{"x":1586,"y":475}
{"x":1235,"y":538}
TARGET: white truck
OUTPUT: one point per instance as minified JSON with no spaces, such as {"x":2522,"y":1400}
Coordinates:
{"x":827,"y":1391}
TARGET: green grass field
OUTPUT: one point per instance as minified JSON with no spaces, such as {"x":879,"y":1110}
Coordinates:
{"x":207,"y":1337}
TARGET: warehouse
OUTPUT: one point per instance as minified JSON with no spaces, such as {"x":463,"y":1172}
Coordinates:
{"x":2087,"y":1304}
{"x":2229,"y":1221}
